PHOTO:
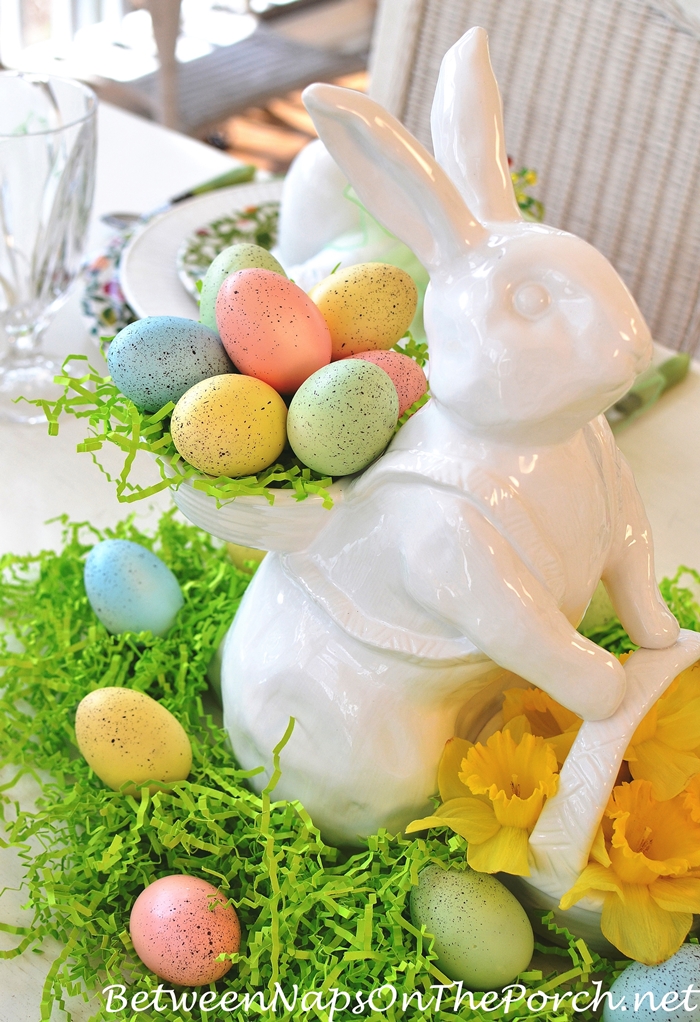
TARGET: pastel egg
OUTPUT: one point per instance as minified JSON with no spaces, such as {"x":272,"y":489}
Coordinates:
{"x":482,"y":934}
{"x":244,"y":256}
{"x":406,"y":375}
{"x":155,"y":360}
{"x":179,"y":925}
{"x":130,"y":589}
{"x":271,"y":329}
{"x":125,"y":736}
{"x":343,"y":417}
{"x":639,"y":992}
{"x":367,"y":306}
{"x":230,"y":426}
{"x":242,"y":556}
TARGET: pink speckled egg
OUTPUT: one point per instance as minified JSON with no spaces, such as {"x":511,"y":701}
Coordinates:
{"x":406,"y":375}
{"x":271,"y":329}
{"x":179,"y":925}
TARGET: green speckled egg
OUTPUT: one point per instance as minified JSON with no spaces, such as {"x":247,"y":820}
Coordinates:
{"x":244,"y":256}
{"x":342,"y":417}
{"x":482,"y":935}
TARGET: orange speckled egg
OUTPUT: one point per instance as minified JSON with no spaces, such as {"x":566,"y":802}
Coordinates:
{"x":271,"y":329}
{"x":406,"y":375}
{"x":179,"y":925}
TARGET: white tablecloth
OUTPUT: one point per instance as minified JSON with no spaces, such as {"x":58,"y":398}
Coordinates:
{"x":139,"y":166}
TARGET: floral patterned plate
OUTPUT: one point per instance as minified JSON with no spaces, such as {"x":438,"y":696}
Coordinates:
{"x":256,"y":223}
{"x":150,"y":263}
{"x":103,"y":305}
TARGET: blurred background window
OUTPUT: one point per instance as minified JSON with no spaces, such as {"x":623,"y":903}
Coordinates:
{"x":227,"y":71}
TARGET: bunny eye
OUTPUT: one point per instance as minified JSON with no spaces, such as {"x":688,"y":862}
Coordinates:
{"x":532,"y":300}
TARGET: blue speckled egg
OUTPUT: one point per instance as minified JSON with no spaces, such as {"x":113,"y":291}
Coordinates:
{"x":678,"y":974}
{"x":342,"y":417}
{"x":243,"y":256}
{"x":482,"y":935}
{"x":130,"y":589}
{"x":157,"y":359}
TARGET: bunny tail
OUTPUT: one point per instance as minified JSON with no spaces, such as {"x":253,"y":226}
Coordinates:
{"x":394,"y":176}
{"x":467,"y":127}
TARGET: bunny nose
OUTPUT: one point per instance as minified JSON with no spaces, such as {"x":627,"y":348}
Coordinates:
{"x":532,"y":300}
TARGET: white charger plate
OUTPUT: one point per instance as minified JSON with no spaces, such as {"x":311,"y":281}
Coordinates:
{"x":148,"y":269}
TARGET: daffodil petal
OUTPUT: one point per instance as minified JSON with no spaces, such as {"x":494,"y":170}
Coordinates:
{"x":505,"y":852}
{"x":646,"y":728}
{"x":677,"y":894}
{"x":424,"y":824}
{"x":449,"y":783}
{"x":599,"y":852}
{"x":472,"y":818}
{"x":692,"y":798}
{"x":640,"y":928}
{"x":683,"y":689}
{"x":518,"y":726}
{"x":668,"y":769}
{"x":594,"y":878}
{"x":681,"y":729}
{"x":562,"y":744}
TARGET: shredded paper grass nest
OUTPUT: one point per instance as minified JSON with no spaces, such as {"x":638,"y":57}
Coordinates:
{"x":113,"y":420}
{"x":312,"y":916}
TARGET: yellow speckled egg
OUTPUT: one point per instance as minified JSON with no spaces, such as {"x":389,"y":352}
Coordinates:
{"x":366,"y":307}
{"x":126,"y":736}
{"x":230,"y":425}
{"x":241,"y":556}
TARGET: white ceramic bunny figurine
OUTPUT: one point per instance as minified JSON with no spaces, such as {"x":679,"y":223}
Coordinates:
{"x":473,"y":546}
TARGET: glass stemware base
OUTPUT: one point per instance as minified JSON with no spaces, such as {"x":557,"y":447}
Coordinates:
{"x":47,"y":169}
{"x":29,"y":376}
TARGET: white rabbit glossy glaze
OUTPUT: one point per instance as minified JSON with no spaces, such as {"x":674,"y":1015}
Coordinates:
{"x":314,"y":208}
{"x":322,"y":227}
{"x":472,"y":547}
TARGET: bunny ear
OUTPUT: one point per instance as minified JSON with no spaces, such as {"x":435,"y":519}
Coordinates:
{"x":467,"y":127}
{"x":394,"y":176}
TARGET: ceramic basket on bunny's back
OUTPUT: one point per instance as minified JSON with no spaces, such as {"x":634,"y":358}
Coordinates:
{"x":468,"y":553}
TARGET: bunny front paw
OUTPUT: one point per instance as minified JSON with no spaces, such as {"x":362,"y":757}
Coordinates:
{"x":657,"y":629}
{"x":598,"y":691}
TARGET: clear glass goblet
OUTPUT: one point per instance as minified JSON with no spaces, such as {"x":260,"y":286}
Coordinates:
{"x":47,"y":175}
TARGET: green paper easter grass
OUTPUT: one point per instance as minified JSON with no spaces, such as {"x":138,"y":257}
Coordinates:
{"x":312,"y":916}
{"x":113,"y":419}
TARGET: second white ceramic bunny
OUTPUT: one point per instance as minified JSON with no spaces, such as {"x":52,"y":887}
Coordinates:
{"x":473,"y":546}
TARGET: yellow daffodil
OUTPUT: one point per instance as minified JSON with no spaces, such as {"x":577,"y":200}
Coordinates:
{"x":646,"y":867}
{"x":665,"y":748}
{"x":532,"y":710}
{"x":692,"y":798}
{"x":493,"y":795}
